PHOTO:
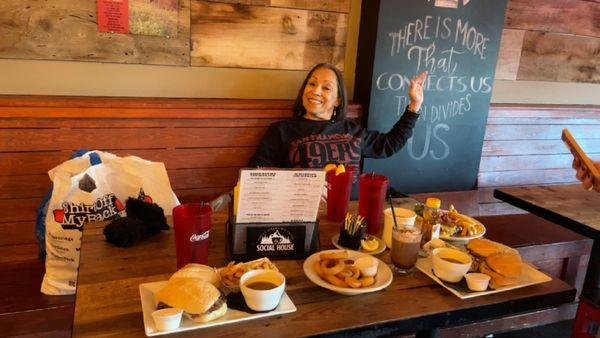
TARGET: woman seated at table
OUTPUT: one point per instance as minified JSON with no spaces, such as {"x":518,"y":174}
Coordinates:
{"x":319,"y":133}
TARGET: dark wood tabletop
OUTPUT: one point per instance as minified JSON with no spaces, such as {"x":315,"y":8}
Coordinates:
{"x":108,"y":301}
{"x":568,"y":205}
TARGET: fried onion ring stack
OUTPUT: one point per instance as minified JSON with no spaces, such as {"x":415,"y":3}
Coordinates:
{"x":335,"y":268}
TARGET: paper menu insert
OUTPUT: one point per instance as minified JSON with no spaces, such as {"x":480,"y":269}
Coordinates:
{"x":279,"y":195}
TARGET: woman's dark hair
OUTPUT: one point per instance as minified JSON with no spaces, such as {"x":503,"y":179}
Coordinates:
{"x":339,"y":113}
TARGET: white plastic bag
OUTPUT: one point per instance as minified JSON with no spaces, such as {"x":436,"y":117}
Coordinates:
{"x":83,"y":194}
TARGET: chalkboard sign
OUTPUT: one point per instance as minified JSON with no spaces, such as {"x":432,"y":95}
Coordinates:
{"x":457,"y":41}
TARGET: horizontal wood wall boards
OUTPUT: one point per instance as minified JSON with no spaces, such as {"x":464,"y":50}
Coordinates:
{"x":550,"y":40}
{"x":68,"y":30}
{"x":523,"y":146}
{"x":292,"y":35}
{"x":268,"y":34}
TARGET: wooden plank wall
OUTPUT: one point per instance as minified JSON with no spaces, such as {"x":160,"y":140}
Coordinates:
{"x":551,"y":40}
{"x":203,"y":143}
{"x":522,"y":146}
{"x":270,"y":34}
{"x":68,"y":30}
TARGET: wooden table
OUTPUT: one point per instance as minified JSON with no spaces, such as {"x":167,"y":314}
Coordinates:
{"x":108,"y":304}
{"x":570,"y":206}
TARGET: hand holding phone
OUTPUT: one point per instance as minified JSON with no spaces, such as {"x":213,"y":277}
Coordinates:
{"x":587,"y":172}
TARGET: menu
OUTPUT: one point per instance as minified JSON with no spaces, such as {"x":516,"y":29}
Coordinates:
{"x":113,"y":16}
{"x":279,"y":195}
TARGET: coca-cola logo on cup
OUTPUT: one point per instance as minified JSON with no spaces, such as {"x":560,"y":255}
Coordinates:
{"x":199,"y":237}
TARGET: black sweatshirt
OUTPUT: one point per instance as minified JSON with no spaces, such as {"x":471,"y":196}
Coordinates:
{"x":304,"y":143}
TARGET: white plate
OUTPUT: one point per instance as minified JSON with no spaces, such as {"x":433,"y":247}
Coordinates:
{"x":381,"y":248}
{"x":464,"y":240}
{"x":530,"y":276}
{"x":149,"y":303}
{"x":383,"y":278}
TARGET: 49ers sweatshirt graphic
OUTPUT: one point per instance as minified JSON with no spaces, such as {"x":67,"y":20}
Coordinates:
{"x":299,"y":142}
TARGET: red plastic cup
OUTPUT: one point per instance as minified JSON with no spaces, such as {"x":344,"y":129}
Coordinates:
{"x":338,"y":194}
{"x":371,"y":199}
{"x":192,"y":222}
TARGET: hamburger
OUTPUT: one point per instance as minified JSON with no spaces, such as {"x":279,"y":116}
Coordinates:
{"x":504,"y":269}
{"x":200,"y":300}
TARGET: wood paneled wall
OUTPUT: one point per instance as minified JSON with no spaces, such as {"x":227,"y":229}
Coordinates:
{"x":269,"y":34}
{"x":275,"y":34}
{"x":68,"y":30}
{"x":551,"y":40}
{"x":522,"y":146}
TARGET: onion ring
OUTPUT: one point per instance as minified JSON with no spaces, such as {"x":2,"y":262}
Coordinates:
{"x":334,"y":255}
{"x":344,"y":273}
{"x":353,"y":282}
{"x":318,"y":269}
{"x":367,"y":281}
{"x":337,"y":268}
{"x":355,"y":271}
{"x":336,"y":281}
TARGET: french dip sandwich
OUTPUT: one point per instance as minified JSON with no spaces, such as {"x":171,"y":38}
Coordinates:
{"x":502,"y":263}
{"x":504,"y":268}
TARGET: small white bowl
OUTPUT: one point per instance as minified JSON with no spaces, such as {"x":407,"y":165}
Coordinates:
{"x":167,"y":319}
{"x":450,"y":271}
{"x":477,"y":281}
{"x":262,"y":300}
{"x":367,"y":265}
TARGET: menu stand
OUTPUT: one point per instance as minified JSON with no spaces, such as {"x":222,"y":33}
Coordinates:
{"x":238,"y":235}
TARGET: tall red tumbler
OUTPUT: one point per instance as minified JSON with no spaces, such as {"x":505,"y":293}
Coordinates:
{"x":338,"y":193}
{"x":371,"y":198}
{"x":191,"y":223}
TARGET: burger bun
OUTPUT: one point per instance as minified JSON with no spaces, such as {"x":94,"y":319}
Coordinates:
{"x":195,"y":297}
{"x":504,"y":269}
{"x":197,"y":271}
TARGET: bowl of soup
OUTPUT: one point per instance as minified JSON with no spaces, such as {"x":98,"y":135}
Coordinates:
{"x":262,"y":289}
{"x":450,"y":265}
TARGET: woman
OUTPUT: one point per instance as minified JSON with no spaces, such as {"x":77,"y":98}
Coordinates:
{"x":319,"y":133}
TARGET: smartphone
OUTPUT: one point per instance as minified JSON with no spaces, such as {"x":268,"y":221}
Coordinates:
{"x":577,"y":151}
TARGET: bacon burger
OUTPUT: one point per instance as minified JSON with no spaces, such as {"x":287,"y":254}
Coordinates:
{"x":200,"y":301}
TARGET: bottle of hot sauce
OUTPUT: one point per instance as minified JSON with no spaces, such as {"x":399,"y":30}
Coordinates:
{"x":431,"y":216}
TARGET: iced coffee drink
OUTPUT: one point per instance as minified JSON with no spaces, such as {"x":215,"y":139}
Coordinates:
{"x":406,"y":242}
